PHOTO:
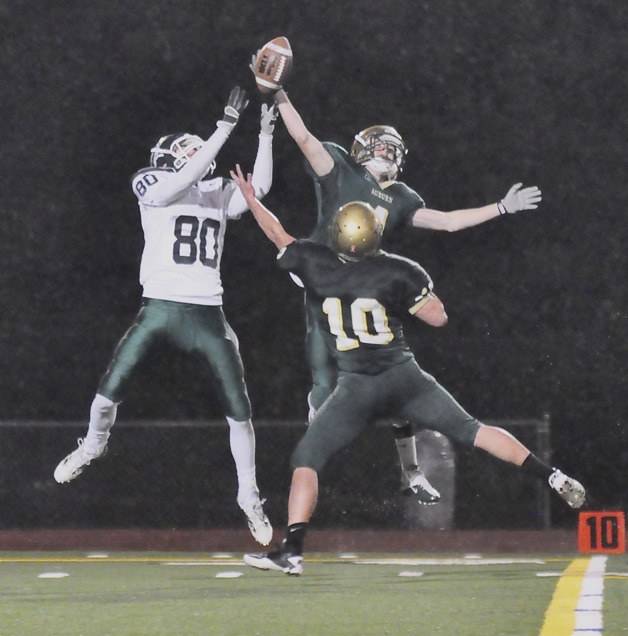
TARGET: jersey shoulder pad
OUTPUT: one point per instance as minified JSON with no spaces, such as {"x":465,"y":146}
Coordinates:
{"x":409,"y":283}
{"x":338,"y":153}
{"x":143,"y":179}
{"x":408,"y":193}
{"x":342,"y":162}
{"x":288,"y":257}
{"x":335,"y":149}
{"x":310,"y":247}
{"x":144,"y":171}
{"x":294,"y":253}
{"x":407,"y":268}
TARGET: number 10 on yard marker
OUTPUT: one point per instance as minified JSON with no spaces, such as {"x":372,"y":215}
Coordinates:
{"x":602,"y":532}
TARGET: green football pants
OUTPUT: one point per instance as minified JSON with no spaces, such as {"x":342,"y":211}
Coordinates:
{"x":199,"y":330}
{"x":403,"y":391}
{"x":322,"y":364}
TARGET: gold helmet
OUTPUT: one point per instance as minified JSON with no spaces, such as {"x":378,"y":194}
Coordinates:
{"x":365,"y":143}
{"x":356,"y":231}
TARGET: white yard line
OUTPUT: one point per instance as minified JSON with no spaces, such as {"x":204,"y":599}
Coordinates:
{"x":576,"y":606}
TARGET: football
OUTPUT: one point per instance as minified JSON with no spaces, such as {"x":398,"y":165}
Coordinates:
{"x":272,"y":65}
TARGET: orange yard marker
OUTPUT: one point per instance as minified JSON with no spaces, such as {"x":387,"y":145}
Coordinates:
{"x":602,"y":532}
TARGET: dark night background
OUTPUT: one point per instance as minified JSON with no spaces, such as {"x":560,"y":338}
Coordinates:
{"x":486,"y":93}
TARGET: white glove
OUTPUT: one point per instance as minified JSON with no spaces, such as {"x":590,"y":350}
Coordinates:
{"x":268,"y":119}
{"x":236,"y":104}
{"x":517,"y":199}
{"x":254,"y":61}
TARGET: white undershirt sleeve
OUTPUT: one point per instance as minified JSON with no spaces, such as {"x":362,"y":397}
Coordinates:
{"x":262,"y":177}
{"x":172,"y":185}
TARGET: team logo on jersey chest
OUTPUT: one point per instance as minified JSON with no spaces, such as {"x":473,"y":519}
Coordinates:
{"x":381,"y":195}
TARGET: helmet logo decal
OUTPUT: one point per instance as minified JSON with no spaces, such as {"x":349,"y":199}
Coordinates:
{"x":174,"y":151}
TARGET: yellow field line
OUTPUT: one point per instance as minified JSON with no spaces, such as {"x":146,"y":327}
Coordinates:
{"x":561,"y":615}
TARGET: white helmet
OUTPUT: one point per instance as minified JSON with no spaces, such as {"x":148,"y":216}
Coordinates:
{"x":174,"y":151}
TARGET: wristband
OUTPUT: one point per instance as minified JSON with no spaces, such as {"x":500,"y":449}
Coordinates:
{"x":501,"y":208}
{"x":281,"y":97}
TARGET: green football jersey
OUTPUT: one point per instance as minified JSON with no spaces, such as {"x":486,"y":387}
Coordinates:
{"x":359,"y":305}
{"x":394,"y":202}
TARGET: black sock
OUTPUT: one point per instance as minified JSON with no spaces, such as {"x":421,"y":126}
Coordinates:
{"x":534,"y":466}
{"x":402,"y":430}
{"x":295,"y":535}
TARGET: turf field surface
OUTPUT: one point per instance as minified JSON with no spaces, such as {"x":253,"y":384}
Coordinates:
{"x":140,"y":593}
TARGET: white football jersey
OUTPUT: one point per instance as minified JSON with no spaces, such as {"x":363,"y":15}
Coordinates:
{"x":184,"y":238}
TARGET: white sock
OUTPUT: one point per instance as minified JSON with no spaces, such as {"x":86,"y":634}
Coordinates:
{"x":311,"y":411}
{"x":406,"y":447}
{"x":242,"y":442}
{"x":102,"y":416}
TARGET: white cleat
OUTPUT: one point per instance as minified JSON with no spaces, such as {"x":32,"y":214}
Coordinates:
{"x":414,"y":482}
{"x":259,"y":525}
{"x":74,"y":464}
{"x":569,"y":489}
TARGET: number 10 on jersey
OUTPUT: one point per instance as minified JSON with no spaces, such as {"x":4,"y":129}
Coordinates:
{"x":359,"y":310}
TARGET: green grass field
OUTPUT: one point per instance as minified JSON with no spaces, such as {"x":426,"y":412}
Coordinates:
{"x":189,"y":594}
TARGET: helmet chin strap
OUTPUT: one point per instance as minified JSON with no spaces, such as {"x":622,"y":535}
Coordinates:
{"x":384,"y":167}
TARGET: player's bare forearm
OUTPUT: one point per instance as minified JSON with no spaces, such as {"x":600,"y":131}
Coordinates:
{"x":291,"y":118}
{"x":313,"y":150}
{"x":267,"y":221}
{"x":432,"y":311}
{"x":516,"y":199}
{"x":270,"y":224}
{"x":455,"y":220}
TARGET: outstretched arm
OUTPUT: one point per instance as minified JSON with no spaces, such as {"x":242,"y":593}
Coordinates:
{"x":263,"y":168}
{"x":314,"y":151}
{"x":514,"y":201}
{"x":171,"y":185}
{"x":267,"y":221}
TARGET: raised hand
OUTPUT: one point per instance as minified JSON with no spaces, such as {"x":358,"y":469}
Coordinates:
{"x":236,"y":104}
{"x":245,"y":184}
{"x":516,"y":199}
{"x":268,"y":119}
{"x":254,"y":61}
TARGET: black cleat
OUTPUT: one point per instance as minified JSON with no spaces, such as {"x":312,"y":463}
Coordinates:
{"x":277,"y":560}
{"x":414,"y":482}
